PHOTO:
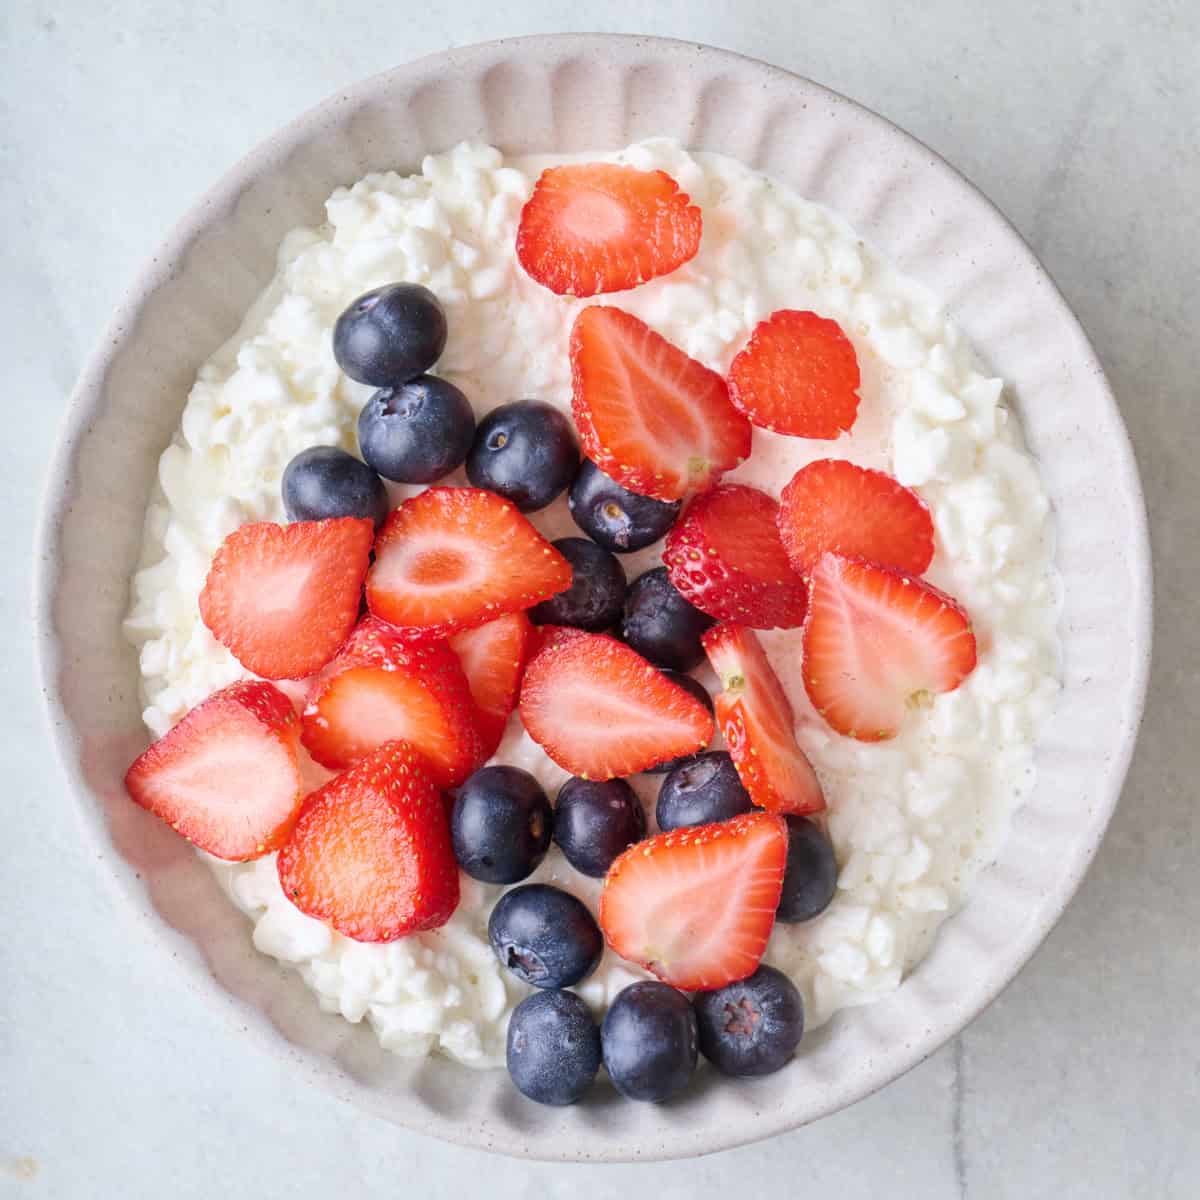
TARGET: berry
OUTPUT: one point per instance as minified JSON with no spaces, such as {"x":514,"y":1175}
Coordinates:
{"x":751,"y":1027}
{"x":545,"y":936}
{"x":390,"y":335}
{"x":649,"y":1041}
{"x":695,"y":688}
{"x":493,"y":658}
{"x":614,"y":517}
{"x":597,"y":592}
{"x":702,"y":791}
{"x":323,"y":482}
{"x":526,"y":452}
{"x":594,"y":822}
{"x":416,"y":432}
{"x":655,"y":420}
{"x":501,"y":825}
{"x":661,"y":625}
{"x":604,"y":227}
{"x":553,"y":1047}
{"x":810,"y":881}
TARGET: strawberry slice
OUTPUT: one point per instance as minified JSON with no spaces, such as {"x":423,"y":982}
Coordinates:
{"x":371,"y":850}
{"x":798,"y":374}
{"x":452,"y":558}
{"x":226,"y":776}
{"x":759,"y":726}
{"x":695,"y":906}
{"x":725,"y":556}
{"x":650,"y":417}
{"x":601,"y":227}
{"x":877,"y":643}
{"x":833,"y":505}
{"x":493,"y":658}
{"x":600,"y":710}
{"x":282,"y":598}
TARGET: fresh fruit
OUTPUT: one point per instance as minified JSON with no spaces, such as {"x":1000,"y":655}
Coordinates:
{"x":390,"y":335}
{"x":501,"y":825}
{"x":759,"y":727}
{"x":695,"y":906}
{"x":370,"y":853}
{"x":553,"y":1047}
{"x":649,"y":1041}
{"x":810,"y":881}
{"x":600,"y":710}
{"x":654,"y":420}
{"x":597,"y":592}
{"x":751,"y":1027}
{"x":878,"y":643}
{"x":418,"y":431}
{"x":613,"y":516}
{"x":798,"y":374}
{"x":833,"y":505}
{"x":596,"y":821}
{"x":493,"y":659}
{"x":545,"y":936}
{"x":525,"y":451}
{"x":603,"y":227}
{"x":323,"y":482}
{"x":226,"y":776}
{"x":453,"y":558}
{"x":725,"y":557}
{"x":695,"y":688}
{"x":282,"y":598}
{"x":700,"y":792}
{"x":661,"y":625}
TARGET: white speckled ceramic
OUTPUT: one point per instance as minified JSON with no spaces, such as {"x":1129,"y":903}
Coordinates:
{"x":570,"y":93}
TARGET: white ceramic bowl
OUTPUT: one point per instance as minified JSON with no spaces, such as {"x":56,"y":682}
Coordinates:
{"x":570,"y":93}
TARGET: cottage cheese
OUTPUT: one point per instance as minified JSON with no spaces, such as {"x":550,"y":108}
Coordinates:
{"x":912,"y":820}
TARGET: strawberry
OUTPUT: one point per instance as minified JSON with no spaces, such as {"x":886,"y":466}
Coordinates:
{"x":877,"y":643}
{"x":452,"y":558}
{"x":798,"y":374}
{"x":834,"y":505}
{"x":601,"y":227}
{"x":493,"y":659}
{"x":371,"y":850}
{"x":695,"y":906}
{"x":282,"y":598}
{"x":600,"y":710}
{"x":227,"y":776}
{"x":725,"y":556}
{"x":759,"y":727}
{"x":650,"y":417}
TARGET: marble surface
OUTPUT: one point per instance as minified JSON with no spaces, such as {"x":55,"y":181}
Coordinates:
{"x":1078,"y":119}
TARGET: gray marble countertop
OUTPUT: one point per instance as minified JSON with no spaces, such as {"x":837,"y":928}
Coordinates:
{"x":1079,"y":120}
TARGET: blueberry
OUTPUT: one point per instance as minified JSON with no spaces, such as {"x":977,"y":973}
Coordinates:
{"x":697,"y":689}
{"x":501,"y":825}
{"x":661,"y":625}
{"x":649,"y":1041}
{"x":752,"y":1027}
{"x":553,"y":1047}
{"x":618,"y":519}
{"x":702,"y":791}
{"x":597,"y":591}
{"x":595,"y":820}
{"x":390,"y":335}
{"x":810,"y":878}
{"x":323,"y":482}
{"x":416,"y":432}
{"x":545,"y":936}
{"x":525,"y":451}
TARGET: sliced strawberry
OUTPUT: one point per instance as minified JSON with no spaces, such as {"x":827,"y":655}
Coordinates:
{"x":877,"y":643}
{"x":600,"y":710}
{"x":227,"y":776}
{"x":493,"y":658}
{"x":601,"y":227}
{"x":650,"y":417}
{"x":282,"y":598}
{"x":371,"y":850}
{"x":695,"y":906}
{"x":725,"y":556}
{"x":798,"y":374}
{"x":452,"y":558}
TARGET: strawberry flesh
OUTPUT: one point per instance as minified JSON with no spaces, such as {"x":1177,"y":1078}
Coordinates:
{"x":493,"y":658}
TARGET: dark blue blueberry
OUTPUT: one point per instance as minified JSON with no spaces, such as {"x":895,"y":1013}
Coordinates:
{"x":390,"y":335}
{"x":416,"y":432}
{"x":810,"y":879}
{"x":501,"y":824}
{"x":702,"y":791}
{"x":323,"y":482}
{"x":597,"y":591}
{"x":661,"y":625}
{"x":620,"y":520}
{"x":752,"y":1027}
{"x":697,"y":689}
{"x":545,"y":936}
{"x":595,"y":820}
{"x":525,"y":451}
{"x":649,"y":1041}
{"x":553,"y":1047}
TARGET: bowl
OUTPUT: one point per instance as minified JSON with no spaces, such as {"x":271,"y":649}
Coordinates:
{"x":572,"y":93}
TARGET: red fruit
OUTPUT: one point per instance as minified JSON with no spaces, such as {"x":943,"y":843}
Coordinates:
{"x":452,"y":558}
{"x":493,"y":658}
{"x":759,"y":726}
{"x":226,"y":777}
{"x":371,"y":850}
{"x":282,"y":598}
{"x":600,"y":227}
{"x":725,"y":556}
{"x":600,"y":710}
{"x":656,"y":421}
{"x":695,"y":906}
{"x":877,"y":643}
{"x":798,"y":374}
